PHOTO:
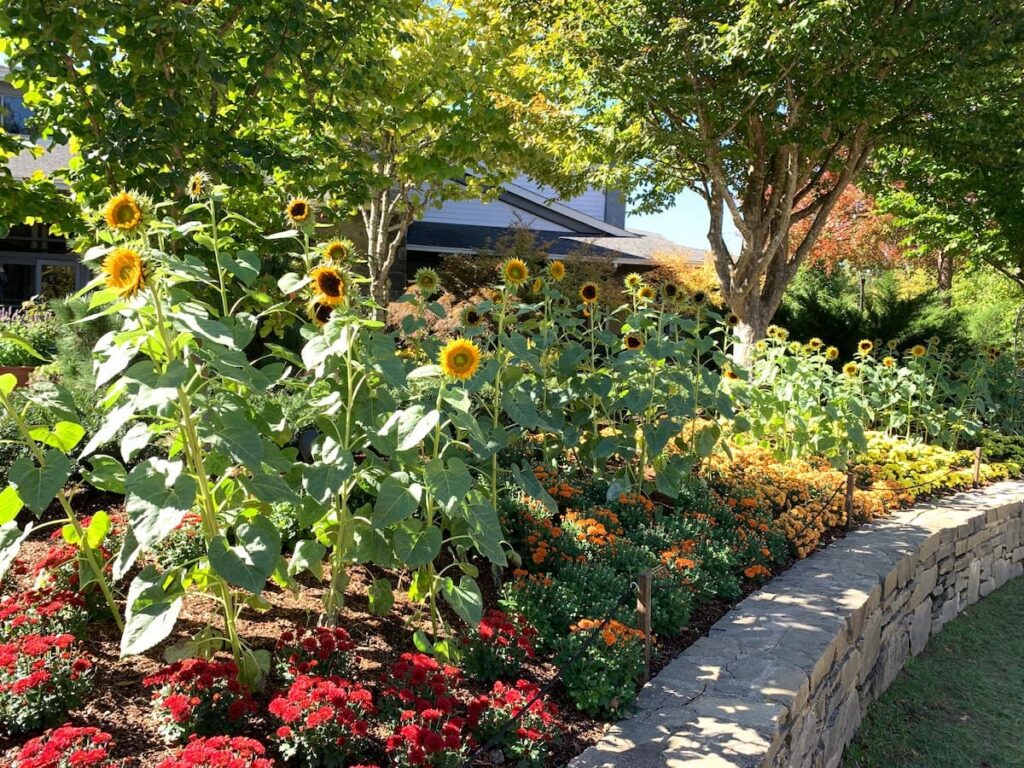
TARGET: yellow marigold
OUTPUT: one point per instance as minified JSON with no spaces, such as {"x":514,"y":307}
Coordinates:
{"x":426,"y":280}
{"x":336,"y":251}
{"x":589,"y":293}
{"x":864,"y":346}
{"x":123,"y":212}
{"x":831,"y":353}
{"x":124,"y":271}
{"x":918,"y":350}
{"x":556,"y":270}
{"x":634,"y":341}
{"x":198,"y":185}
{"x":889,"y":362}
{"x":850,"y":369}
{"x":515,"y":272}
{"x":319,"y":312}
{"x":633,"y":281}
{"x":460,"y":359}
{"x":329,"y":284}
{"x":298,"y":210}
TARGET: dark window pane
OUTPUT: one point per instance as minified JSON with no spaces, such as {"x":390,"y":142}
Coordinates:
{"x":17,"y":282}
{"x":58,"y":280}
{"x":14,"y":114}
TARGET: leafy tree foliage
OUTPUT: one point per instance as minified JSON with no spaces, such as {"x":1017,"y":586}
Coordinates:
{"x":767,"y":110}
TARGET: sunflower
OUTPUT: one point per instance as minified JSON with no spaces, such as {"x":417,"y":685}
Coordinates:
{"x":298,"y":210}
{"x":426,"y":280}
{"x":319,"y":312}
{"x":864,"y":346}
{"x":889,"y":362}
{"x":329,"y":284}
{"x":123,"y":212}
{"x":633,"y":341}
{"x":124,"y":271}
{"x":589,"y":293}
{"x":730,"y":374}
{"x":471,"y":316}
{"x":515,"y":272}
{"x":537,"y":285}
{"x":699,"y":297}
{"x":850,"y":369}
{"x":556,"y":270}
{"x":831,"y":353}
{"x":993,"y":353}
{"x":777,"y":333}
{"x":646,"y":293}
{"x":460,"y":359}
{"x":633,"y":281}
{"x":732,"y":320}
{"x":669,"y":291}
{"x":891,"y":345}
{"x":198,"y":184}
{"x":918,"y":350}
{"x":815,"y":344}
{"x":934,"y":341}
{"x":337,"y":251}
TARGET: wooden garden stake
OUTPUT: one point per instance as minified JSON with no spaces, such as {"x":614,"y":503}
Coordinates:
{"x":645,"y":584}
{"x":977,"y":466}
{"x":850,"y":482}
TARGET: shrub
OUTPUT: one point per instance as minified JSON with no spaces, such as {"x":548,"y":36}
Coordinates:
{"x":602,"y":678}
{"x":41,"y":678}
{"x":321,"y":651}
{"x":196,"y":696}
{"x":184,"y":545}
{"x":219,"y":752}
{"x":526,"y":743}
{"x":497,"y":647}
{"x":67,"y":747}
{"x":324,"y":720}
{"x":37,"y":329}
{"x":55,"y":611}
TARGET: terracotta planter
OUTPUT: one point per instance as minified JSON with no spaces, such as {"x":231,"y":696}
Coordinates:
{"x":21,"y":372}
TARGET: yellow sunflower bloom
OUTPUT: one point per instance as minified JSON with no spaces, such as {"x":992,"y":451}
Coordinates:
{"x":298,"y":210}
{"x":123,"y":212}
{"x":646,"y":293}
{"x":699,"y":297}
{"x":589,"y":293}
{"x":556,"y":270}
{"x":670,"y":291}
{"x":633,"y":281}
{"x":850,"y":369}
{"x":329,"y":284}
{"x":889,"y":362}
{"x":515,"y":272}
{"x":634,"y":341}
{"x":319,"y":312}
{"x":537,"y":285}
{"x":730,"y":374}
{"x":460,"y":359}
{"x":124,"y":271}
{"x":918,"y":350}
{"x":831,"y":353}
{"x":864,"y":346}
{"x":471,"y":316}
{"x":732,"y":320}
{"x":198,"y":185}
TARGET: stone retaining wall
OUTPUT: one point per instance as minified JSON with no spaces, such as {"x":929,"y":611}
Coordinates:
{"x":784,"y":678}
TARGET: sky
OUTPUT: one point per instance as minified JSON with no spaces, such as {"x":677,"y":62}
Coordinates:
{"x":686,"y":223}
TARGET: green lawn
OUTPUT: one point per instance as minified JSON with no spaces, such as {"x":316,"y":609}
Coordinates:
{"x":960,"y":704}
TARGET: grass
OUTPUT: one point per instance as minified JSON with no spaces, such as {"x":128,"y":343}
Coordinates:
{"x":960,"y":704}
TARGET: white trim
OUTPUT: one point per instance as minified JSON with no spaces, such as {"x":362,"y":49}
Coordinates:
{"x":565,"y":210}
{"x":440,"y":249}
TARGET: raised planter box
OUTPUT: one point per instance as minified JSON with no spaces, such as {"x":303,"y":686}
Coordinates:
{"x":21,"y":372}
{"x":784,"y":678}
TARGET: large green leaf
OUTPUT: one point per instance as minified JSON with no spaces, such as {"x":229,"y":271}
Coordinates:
{"x":484,"y":530}
{"x":10,"y":504}
{"x":397,"y":499}
{"x":107,"y":474}
{"x":414,"y":425}
{"x":249,"y":563}
{"x":150,"y":611}
{"x":229,"y":429}
{"x":464,"y":598}
{"x":417,"y":544}
{"x":11,"y":538}
{"x":526,"y":480}
{"x":307,"y":556}
{"x":324,"y":481}
{"x":159,"y":495}
{"x":448,"y":482}
{"x":64,"y":435}
{"x":37,"y":486}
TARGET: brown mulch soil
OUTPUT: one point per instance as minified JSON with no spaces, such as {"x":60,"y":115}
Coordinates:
{"x":119,"y":704}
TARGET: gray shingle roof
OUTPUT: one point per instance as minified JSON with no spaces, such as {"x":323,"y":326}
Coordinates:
{"x":54,"y":158}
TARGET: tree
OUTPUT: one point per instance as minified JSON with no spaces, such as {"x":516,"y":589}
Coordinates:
{"x":767,"y":110}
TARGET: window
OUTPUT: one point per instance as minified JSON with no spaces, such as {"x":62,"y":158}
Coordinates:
{"x":13,"y":114}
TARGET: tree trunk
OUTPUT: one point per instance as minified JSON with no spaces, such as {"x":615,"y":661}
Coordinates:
{"x":755,"y":316}
{"x":945,"y":282}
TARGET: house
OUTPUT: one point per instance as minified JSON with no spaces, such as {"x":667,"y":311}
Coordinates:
{"x":34,"y":262}
{"x":593,"y":223}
